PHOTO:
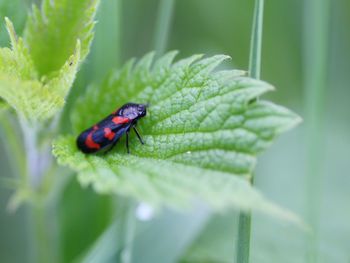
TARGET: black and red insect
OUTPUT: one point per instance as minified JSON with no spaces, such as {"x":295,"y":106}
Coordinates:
{"x":105,"y":134}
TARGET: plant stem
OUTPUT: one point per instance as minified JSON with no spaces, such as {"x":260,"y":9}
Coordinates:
{"x":256,"y":40}
{"x":244,"y":223}
{"x":44,"y":232}
{"x":14,"y":146}
{"x":38,"y":164}
{"x":165,"y":12}
{"x":243,"y":242}
{"x":316,"y":37}
{"x":32,"y":154}
{"x":42,"y":242}
{"x":31,"y":165}
{"x":129,"y":231}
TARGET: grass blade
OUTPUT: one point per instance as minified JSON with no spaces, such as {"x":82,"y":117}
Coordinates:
{"x":243,"y":241}
{"x":316,"y":37}
{"x":163,"y":24}
{"x":256,"y":40}
{"x":244,"y":222}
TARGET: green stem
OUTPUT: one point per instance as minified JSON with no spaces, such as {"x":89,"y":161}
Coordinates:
{"x":256,"y":40}
{"x":43,"y":219}
{"x":165,"y":12}
{"x":27,"y":163}
{"x":315,"y":69}
{"x":44,"y":232}
{"x":29,"y":134}
{"x":13,"y":146}
{"x":244,"y":223}
{"x":42,"y":243}
{"x":129,"y":231}
{"x":243,"y":242}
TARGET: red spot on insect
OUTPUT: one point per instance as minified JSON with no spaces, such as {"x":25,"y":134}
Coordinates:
{"x":109,"y":134}
{"x":89,"y":142}
{"x":120,"y":120}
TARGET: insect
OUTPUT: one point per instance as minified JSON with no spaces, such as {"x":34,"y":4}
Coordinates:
{"x":105,"y":134}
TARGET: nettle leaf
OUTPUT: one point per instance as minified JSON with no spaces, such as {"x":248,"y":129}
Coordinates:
{"x":37,"y":73}
{"x":16,"y":62}
{"x":34,"y":99}
{"x":202,"y":133}
{"x":51,"y":32}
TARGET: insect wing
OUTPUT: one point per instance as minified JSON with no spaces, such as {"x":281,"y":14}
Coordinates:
{"x":107,"y":135}
{"x":104,"y":133}
{"x":85,"y":142}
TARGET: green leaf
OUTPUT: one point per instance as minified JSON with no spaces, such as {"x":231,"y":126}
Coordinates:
{"x":202,"y":134}
{"x":33,"y":99}
{"x":37,"y":97}
{"x":37,"y":72}
{"x":52,"y":32}
{"x":16,"y":62}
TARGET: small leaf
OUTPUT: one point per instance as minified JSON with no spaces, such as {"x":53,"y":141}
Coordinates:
{"x":37,"y":72}
{"x":202,"y":134}
{"x":16,"y":61}
{"x":33,"y":99}
{"x":51,"y":32}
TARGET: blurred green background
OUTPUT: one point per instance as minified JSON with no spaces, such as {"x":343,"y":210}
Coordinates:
{"x":126,"y":29}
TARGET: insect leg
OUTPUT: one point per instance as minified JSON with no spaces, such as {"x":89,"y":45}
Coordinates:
{"x":138,"y":135}
{"x":127,"y":142}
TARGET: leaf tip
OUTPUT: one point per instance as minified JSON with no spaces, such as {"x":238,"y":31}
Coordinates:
{"x":7,"y":20}
{"x":294,"y":120}
{"x":11,"y":31}
{"x":77,"y":49}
